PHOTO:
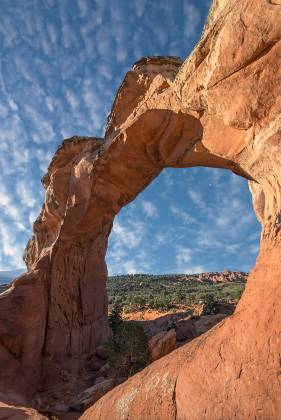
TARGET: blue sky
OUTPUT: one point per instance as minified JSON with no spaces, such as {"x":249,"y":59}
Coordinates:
{"x":61,"y":64}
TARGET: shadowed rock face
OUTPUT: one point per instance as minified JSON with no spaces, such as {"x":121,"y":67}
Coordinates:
{"x":220,"y":108}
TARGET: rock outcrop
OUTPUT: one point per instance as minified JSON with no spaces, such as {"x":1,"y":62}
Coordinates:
{"x":188,"y":329}
{"x":225,"y":276}
{"x":19,"y":412}
{"x":220,"y":108}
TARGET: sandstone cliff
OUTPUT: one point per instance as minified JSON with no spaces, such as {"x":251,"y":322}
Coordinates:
{"x":220,"y":108}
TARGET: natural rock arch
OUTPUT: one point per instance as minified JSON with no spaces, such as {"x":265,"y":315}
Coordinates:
{"x":219,"y":108}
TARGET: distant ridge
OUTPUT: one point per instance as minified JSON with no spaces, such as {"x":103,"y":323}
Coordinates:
{"x":210,"y":277}
{"x":9,"y":275}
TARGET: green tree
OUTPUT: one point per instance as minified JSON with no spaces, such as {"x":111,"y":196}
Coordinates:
{"x":179,"y":294}
{"x":115,"y":318}
{"x":138,"y":301}
{"x":209,"y":302}
{"x":162,"y":301}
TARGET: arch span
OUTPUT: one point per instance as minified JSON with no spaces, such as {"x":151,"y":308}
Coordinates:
{"x":220,"y":108}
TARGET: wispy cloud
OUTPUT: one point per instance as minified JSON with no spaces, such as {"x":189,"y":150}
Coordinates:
{"x":192,"y":19}
{"x":183,"y":215}
{"x":61,"y":64}
{"x":184,"y":255}
{"x":197,"y":198}
{"x":149,"y":208}
{"x":11,"y":251}
{"x":129,"y":235}
{"x":125,"y":253}
{"x":185,"y":261}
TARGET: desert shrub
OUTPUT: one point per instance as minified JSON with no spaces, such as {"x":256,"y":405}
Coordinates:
{"x":138,"y":301}
{"x":209,"y":302}
{"x":127,"y":350}
{"x":150,"y":300}
{"x":237,"y":293}
{"x":127,"y":309}
{"x":162,"y":302}
{"x":179,"y":295}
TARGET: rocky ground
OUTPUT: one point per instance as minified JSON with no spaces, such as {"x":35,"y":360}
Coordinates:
{"x":72,"y":397}
{"x":147,"y":334}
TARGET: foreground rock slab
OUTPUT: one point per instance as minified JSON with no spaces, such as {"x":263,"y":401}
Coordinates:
{"x":190,"y":383}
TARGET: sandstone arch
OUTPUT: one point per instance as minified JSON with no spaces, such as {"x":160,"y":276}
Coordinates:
{"x":219,"y":108}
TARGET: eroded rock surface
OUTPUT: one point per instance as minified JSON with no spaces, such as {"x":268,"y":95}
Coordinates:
{"x":19,"y":412}
{"x":220,"y":108}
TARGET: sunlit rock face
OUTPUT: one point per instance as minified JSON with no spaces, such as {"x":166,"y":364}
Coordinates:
{"x":220,"y":108}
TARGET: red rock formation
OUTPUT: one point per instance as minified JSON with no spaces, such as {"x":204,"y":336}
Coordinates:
{"x":223,"y":277}
{"x":19,"y":413}
{"x":220,"y":108}
{"x":232,"y":371}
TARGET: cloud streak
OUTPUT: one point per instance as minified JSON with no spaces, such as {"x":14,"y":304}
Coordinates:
{"x":61,"y":65}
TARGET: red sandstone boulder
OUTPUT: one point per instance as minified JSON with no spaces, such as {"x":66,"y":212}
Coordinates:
{"x":90,"y":395}
{"x":161,"y":344}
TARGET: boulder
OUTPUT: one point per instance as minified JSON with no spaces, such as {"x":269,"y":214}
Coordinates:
{"x":92,"y":394}
{"x":161,"y":344}
{"x":186,"y":330}
{"x":206,"y":322}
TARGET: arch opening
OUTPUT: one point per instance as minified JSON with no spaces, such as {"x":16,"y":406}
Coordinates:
{"x":178,"y":259}
{"x":200,"y":210}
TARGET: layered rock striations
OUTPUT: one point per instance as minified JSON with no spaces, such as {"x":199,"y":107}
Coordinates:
{"x":220,"y":108}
